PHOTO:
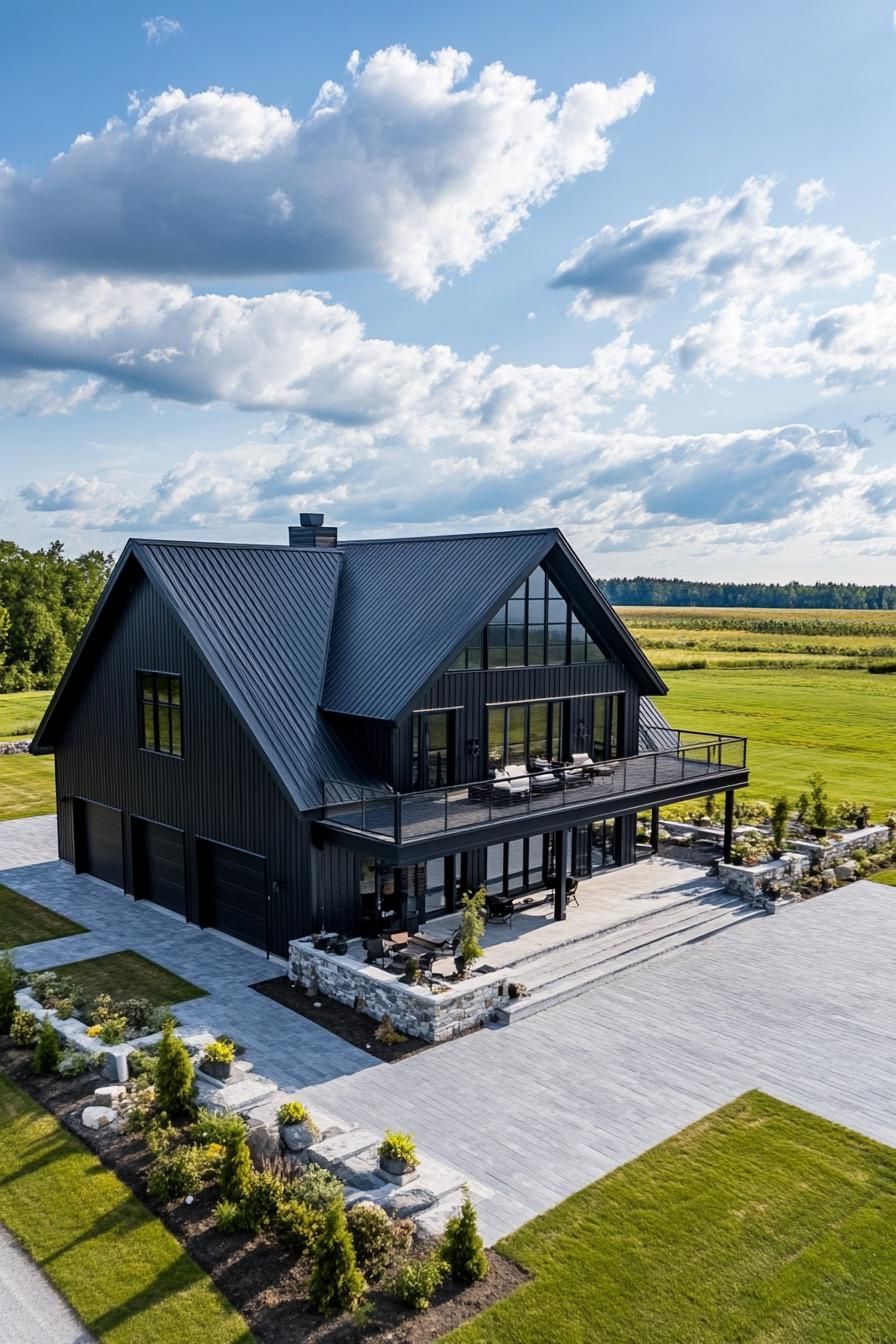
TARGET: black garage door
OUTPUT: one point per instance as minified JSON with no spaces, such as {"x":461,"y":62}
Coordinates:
{"x":233,"y":891}
{"x":98,"y":848}
{"x":159,"y":865}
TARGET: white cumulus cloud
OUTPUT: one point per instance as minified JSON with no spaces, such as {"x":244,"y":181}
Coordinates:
{"x":412,"y":168}
{"x":810,"y":194}
{"x":161,"y":28}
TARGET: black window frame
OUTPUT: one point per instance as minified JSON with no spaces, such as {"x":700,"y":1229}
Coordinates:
{"x":166,"y":711}
{"x":496,"y":647}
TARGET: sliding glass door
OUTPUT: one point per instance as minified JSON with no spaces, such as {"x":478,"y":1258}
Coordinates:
{"x":522,"y":734}
{"x":432,"y":748}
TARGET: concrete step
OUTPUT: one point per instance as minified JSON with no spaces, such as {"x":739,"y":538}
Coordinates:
{"x":553,"y":963}
{"x":572,"y":985}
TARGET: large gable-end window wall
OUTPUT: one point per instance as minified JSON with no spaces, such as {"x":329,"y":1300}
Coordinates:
{"x":535,"y":627}
{"x":160,"y":711}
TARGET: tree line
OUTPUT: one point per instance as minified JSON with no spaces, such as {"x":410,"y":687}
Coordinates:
{"x":45,"y":600}
{"x":647,"y":592}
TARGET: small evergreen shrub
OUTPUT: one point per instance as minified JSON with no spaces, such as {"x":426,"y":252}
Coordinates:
{"x":7,"y":993}
{"x":472,"y":925}
{"x":293,"y":1113}
{"x":209,"y":1127}
{"x":388,"y":1034}
{"x":139,"y":1015}
{"x":298,"y":1225}
{"x":267,"y":1191}
{"x":174,"y":1074}
{"x":160,"y":1135}
{"x":230,"y":1217}
{"x":462,"y":1248}
{"x":418,"y":1280}
{"x":142,"y":1066}
{"x":72,"y":1063}
{"x":336,"y":1283}
{"x":182,"y":1171}
{"x":236,"y":1169}
{"x":23,"y":1028}
{"x":46,"y":1054}
{"x":372,"y":1234}
{"x":319,"y":1188}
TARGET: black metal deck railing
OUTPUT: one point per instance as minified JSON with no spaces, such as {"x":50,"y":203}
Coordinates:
{"x":695,"y":759}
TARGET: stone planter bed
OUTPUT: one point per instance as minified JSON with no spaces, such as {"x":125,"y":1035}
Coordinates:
{"x":414,"y":1009}
{"x":340,"y":1018}
{"x":263,"y":1280}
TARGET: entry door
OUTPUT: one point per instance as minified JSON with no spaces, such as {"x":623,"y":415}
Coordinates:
{"x":159,"y":874}
{"x":98,"y":845}
{"x":433,"y":755}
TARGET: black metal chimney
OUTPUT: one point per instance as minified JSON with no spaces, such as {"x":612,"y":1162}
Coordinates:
{"x":311,"y":532}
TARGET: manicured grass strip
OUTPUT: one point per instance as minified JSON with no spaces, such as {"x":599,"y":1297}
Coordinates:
{"x":127,"y":975}
{"x":28,"y":786}
{"x":887,"y":878}
{"x":761,"y":1222}
{"x":21,"y":712}
{"x":122,"y":1272}
{"x":24,"y":921}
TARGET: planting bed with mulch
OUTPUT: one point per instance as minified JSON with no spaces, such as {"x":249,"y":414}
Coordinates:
{"x":356,"y":1028}
{"x":264,"y":1281}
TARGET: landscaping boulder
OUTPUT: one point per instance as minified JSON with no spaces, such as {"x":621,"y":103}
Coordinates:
{"x":98,"y":1117}
{"x":846,"y":871}
{"x":110,"y":1095}
{"x":299,"y":1137}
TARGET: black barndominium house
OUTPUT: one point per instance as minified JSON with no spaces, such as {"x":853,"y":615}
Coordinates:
{"x":273,"y":740}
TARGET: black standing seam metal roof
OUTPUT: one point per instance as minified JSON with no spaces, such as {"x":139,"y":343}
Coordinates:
{"x":405,"y":608}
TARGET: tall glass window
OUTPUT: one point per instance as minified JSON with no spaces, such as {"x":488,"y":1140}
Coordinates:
{"x":160,"y":711}
{"x":536,"y":626}
{"x":526,"y":733}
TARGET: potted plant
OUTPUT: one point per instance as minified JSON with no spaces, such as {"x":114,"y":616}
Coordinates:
{"x":217,"y":1060}
{"x":411,"y":971}
{"x":397,"y":1153}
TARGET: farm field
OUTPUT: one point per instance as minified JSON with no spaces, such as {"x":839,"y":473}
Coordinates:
{"x":26,"y":782}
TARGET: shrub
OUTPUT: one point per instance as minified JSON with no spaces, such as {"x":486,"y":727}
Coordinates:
{"x":142,"y":1066}
{"x":7,"y":992}
{"x":416,"y":1282}
{"x":387,"y":1033}
{"x":208,"y":1127}
{"x":113,"y":1030}
{"x":372,"y":1233}
{"x":267,"y":1191}
{"x":293,"y":1113}
{"x":174,"y":1074}
{"x":231,"y":1217}
{"x":64,"y":1008}
{"x":780,"y":819}
{"x":336,"y":1283}
{"x":138,"y":1013}
{"x":461,"y":1246}
{"x":398,"y":1147}
{"x":219,"y":1052}
{"x":319,"y":1188}
{"x":236,"y":1169}
{"x":819,"y":814}
{"x":298,"y":1225}
{"x":472,"y":925}
{"x":886,"y":665}
{"x":182,"y":1171}
{"x":48,"y":987}
{"x":72,"y":1063}
{"x":160,"y":1135}
{"x":23,"y":1028}
{"x":46,"y":1055}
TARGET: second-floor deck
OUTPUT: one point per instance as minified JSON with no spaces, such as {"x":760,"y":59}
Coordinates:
{"x":693,"y":763}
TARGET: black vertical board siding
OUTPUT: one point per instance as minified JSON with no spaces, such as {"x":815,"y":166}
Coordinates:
{"x":220,"y":790}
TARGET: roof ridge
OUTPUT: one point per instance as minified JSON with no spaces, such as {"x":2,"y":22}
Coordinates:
{"x":451,"y":536}
{"x":233,"y":545}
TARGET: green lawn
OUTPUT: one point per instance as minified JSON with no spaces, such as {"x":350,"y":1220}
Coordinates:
{"x":127,"y":975}
{"x":27,"y":786}
{"x":887,"y":878}
{"x":122,"y":1271}
{"x":24,"y":921}
{"x":21,"y":712}
{"x":761,"y":1222}
{"x":841,"y":723}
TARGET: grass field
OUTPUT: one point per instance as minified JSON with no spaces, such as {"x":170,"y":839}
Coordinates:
{"x":23,"y":921}
{"x":21,"y":712}
{"x":127,"y":975}
{"x":760,"y":1222}
{"x":119,"y":1268}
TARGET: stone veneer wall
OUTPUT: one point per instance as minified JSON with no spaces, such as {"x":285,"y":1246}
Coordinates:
{"x":15,"y":748}
{"x":825,"y":853}
{"x":750,"y":881}
{"x":414,"y":1009}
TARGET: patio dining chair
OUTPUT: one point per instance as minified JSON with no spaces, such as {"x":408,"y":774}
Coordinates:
{"x":572,"y":886}
{"x":499,"y":910}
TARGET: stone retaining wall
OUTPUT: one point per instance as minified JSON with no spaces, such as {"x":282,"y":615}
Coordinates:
{"x":751,"y":881}
{"x":414,"y":1009}
{"x":827,"y":852}
{"x":15,"y":748}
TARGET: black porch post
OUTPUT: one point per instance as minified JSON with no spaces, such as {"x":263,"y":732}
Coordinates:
{"x":561,"y":863}
{"x":729,"y":825}
{"x":654,"y":829}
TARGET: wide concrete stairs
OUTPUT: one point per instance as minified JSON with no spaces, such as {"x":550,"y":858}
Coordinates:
{"x":579,"y":964}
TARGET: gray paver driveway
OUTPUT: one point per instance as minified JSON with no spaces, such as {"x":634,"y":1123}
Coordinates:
{"x":802,"y":1004}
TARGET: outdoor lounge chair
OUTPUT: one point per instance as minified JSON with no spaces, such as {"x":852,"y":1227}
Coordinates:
{"x":511,"y":785}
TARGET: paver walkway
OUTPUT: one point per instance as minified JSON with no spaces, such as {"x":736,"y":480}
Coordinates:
{"x":31,"y":1310}
{"x":802,"y":1004}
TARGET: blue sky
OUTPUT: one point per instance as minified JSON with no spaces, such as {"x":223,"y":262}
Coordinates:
{"x":629,"y":269}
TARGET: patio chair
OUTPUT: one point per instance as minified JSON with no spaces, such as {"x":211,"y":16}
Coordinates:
{"x":511,"y":785}
{"x":499,"y":910}
{"x":572,"y":886}
{"x":580,"y":770}
{"x":378,"y":951}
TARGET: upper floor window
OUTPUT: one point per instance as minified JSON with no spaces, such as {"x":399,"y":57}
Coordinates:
{"x":160,"y":711}
{"x":537,"y":626}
